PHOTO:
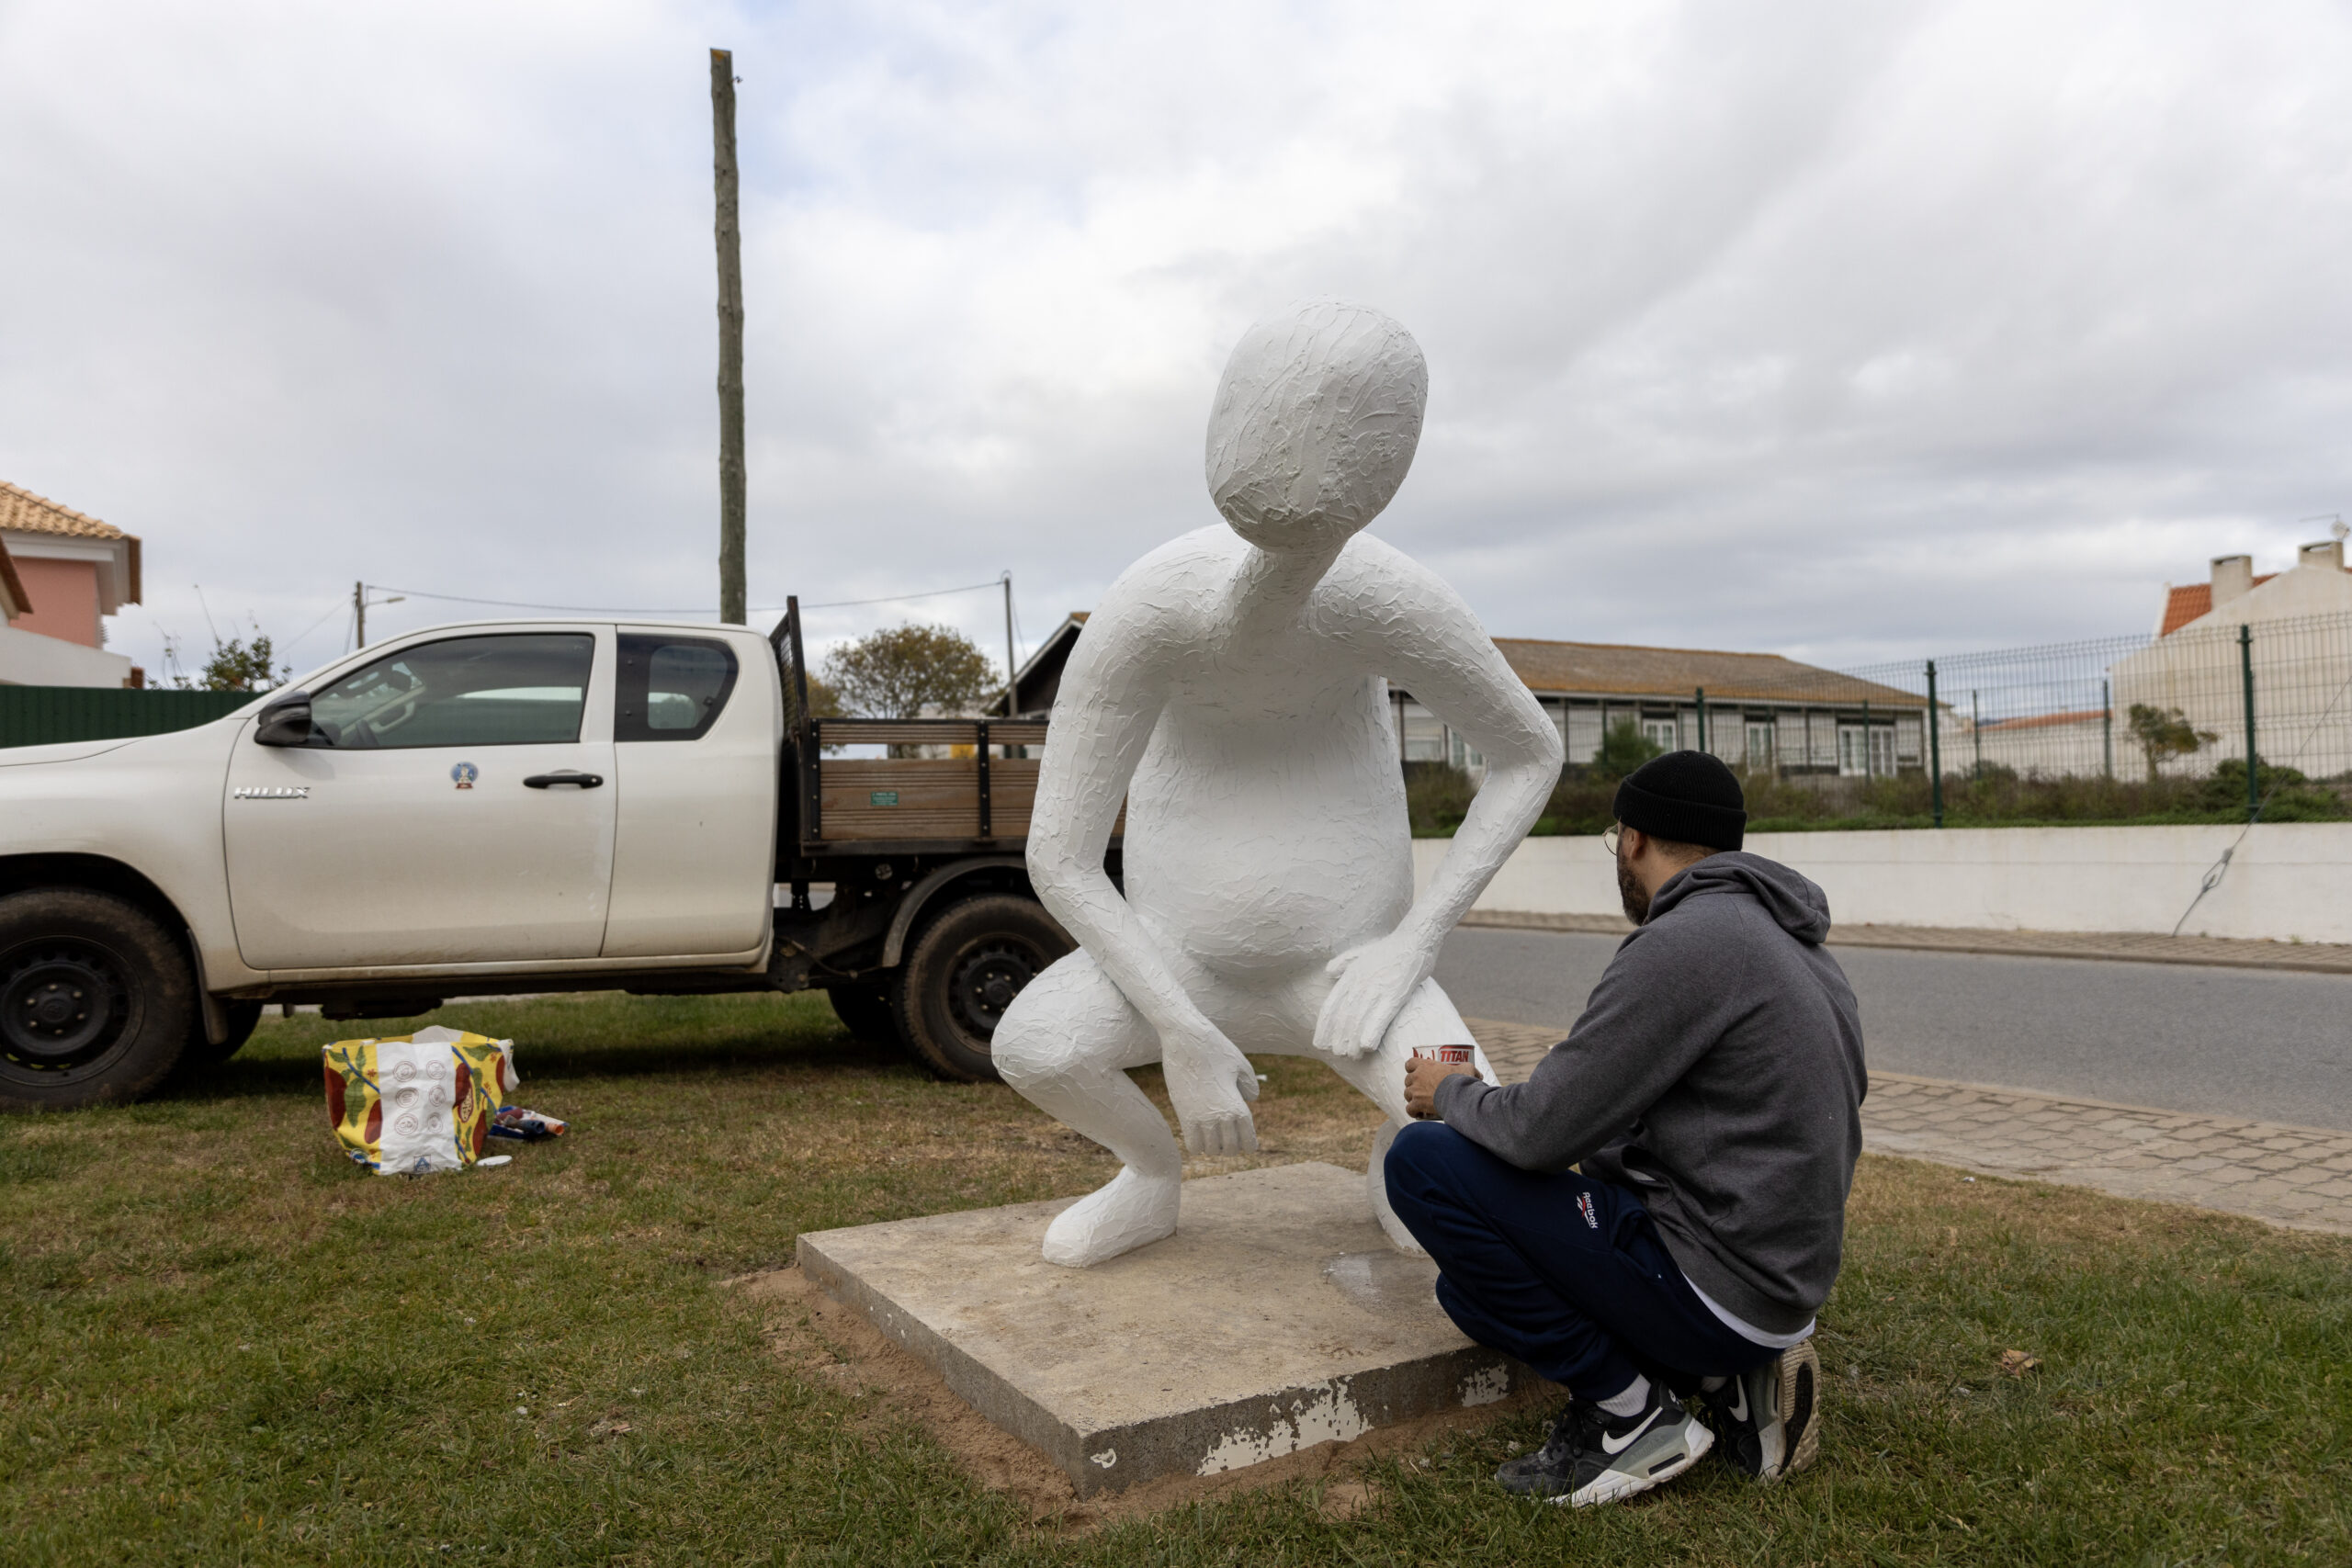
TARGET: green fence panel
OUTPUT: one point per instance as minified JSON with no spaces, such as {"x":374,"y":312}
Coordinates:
{"x":43,"y":716}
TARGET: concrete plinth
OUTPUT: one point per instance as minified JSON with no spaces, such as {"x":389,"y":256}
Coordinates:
{"x":1276,"y":1318}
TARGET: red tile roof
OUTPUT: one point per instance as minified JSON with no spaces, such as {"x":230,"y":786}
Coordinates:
{"x":1615,"y":669}
{"x":22,"y":510}
{"x":2043,"y":720}
{"x":2185,"y":605}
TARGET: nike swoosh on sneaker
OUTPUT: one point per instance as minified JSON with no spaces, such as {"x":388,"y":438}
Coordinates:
{"x":1739,"y":1406}
{"x":1615,"y":1446}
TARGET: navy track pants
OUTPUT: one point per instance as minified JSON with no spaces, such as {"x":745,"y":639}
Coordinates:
{"x":1566,"y":1273}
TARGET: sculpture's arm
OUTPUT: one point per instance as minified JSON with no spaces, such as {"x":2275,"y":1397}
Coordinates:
{"x":1429,"y":643}
{"x":1111,"y":697}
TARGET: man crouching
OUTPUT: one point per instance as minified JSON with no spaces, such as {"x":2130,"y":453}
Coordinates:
{"x":1710,"y":1093}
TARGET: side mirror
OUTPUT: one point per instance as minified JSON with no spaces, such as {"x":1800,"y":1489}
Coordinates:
{"x":286,"y":722}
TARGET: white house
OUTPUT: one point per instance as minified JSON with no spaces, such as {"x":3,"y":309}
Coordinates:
{"x":2293,"y":627}
{"x":63,"y":573}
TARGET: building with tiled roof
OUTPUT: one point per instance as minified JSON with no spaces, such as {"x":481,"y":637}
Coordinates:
{"x":69,"y":571}
{"x":2287,"y":634}
{"x":2241,"y":597}
{"x":1761,"y":710}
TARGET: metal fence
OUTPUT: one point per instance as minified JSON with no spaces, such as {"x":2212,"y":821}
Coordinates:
{"x":42,"y":715}
{"x":2179,"y":706}
{"x":2240,"y":701}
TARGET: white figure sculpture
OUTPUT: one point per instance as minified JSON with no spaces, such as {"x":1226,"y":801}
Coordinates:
{"x":1231,"y":689}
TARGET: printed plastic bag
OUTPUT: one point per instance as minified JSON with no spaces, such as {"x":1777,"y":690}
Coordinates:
{"x":419,"y":1102}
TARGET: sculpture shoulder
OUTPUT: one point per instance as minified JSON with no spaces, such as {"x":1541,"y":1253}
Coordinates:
{"x":1375,"y":587}
{"x":1166,"y":594}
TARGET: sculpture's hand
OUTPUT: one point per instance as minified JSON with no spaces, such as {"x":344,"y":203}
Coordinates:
{"x":1375,"y":981}
{"x":1211,"y":1084}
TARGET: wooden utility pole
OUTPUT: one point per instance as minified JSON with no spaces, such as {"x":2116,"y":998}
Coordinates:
{"x":359,"y":614}
{"x":1011,"y":679}
{"x":731,"y":607}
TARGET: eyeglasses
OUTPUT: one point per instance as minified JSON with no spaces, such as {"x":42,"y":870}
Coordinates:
{"x":1610,"y":835}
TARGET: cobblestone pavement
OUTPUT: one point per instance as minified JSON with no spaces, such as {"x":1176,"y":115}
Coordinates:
{"x":2298,"y":1177}
{"x":2327,"y":958}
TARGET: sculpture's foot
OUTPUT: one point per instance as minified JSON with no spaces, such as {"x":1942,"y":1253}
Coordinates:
{"x":1132,"y":1210}
{"x":1376,"y":1183}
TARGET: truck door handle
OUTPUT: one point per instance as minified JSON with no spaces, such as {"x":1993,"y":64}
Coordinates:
{"x":568,"y":776}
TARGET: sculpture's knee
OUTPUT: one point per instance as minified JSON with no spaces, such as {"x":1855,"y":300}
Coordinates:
{"x":1027,"y":1049}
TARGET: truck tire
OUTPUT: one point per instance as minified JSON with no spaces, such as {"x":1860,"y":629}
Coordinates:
{"x":865,"y":1012}
{"x":243,"y":1017}
{"x":964,"y":969}
{"x":96,"y":1001}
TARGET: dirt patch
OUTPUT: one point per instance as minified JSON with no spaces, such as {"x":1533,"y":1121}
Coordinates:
{"x":818,"y":1338}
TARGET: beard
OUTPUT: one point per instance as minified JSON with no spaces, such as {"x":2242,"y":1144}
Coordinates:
{"x":1631,"y":892}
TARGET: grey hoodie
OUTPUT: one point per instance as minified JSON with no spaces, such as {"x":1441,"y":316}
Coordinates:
{"x":1717,"y":1071}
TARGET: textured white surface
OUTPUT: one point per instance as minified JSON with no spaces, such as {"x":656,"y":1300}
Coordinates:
{"x":1299,"y":1420}
{"x":1231,"y":689}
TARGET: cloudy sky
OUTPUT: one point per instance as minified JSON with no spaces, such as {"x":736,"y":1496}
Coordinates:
{"x":1851,"y":330}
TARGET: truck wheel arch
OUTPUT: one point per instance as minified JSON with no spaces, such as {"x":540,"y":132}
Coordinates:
{"x":1005,"y":873}
{"x":95,"y":874}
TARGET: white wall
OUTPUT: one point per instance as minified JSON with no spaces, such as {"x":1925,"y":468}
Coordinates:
{"x":2289,"y":881}
{"x":29,"y":659}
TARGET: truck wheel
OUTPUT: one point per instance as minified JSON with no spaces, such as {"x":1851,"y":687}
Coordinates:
{"x":963,"y":972}
{"x":865,"y":1012}
{"x":243,"y":1016}
{"x":96,"y":1001}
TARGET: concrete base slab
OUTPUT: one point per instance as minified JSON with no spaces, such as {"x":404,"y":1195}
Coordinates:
{"x":1276,"y":1318}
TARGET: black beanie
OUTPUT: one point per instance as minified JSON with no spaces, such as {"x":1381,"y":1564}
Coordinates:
{"x":1686,"y":796}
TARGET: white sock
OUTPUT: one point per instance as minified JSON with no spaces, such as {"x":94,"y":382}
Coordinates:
{"x":1632,"y":1401}
{"x":1709,"y":1385}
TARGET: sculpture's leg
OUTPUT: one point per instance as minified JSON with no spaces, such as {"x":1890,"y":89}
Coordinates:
{"x":1428,"y":1018}
{"x":1065,"y":1044}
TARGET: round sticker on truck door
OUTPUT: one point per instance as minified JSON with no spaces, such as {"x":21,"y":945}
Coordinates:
{"x":465,"y":773}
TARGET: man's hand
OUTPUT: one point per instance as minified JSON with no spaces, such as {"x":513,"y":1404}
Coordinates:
{"x":1210,"y":1083}
{"x":1422,"y":1075}
{"x":1375,"y":982}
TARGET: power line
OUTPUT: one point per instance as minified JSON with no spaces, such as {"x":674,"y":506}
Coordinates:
{"x":695,"y":610}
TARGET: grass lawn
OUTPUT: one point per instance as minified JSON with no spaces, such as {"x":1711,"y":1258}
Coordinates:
{"x":224,"y":1343}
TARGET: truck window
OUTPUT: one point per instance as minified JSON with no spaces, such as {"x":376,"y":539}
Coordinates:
{"x":671,"y":688}
{"x":506,"y":688}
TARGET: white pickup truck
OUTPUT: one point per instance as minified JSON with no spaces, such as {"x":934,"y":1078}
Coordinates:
{"x":505,"y":807}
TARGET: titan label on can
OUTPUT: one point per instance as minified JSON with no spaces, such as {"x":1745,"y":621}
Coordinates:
{"x":1452,"y":1055}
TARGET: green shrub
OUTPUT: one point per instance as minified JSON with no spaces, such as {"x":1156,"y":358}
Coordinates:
{"x":1437,"y":798}
{"x":1582,"y":802}
{"x":2287,"y":795}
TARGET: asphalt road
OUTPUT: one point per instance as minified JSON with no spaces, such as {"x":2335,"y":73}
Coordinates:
{"x":2277,"y":1048}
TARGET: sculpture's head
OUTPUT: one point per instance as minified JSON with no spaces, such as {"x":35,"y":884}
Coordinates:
{"x":1315,"y":424}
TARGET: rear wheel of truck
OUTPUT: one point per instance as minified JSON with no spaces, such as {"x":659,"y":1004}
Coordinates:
{"x":865,"y":1012}
{"x":96,"y":1001}
{"x":963,"y":971}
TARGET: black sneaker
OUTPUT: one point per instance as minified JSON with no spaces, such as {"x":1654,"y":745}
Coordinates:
{"x":1766,"y":1417}
{"x":1594,"y":1457}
